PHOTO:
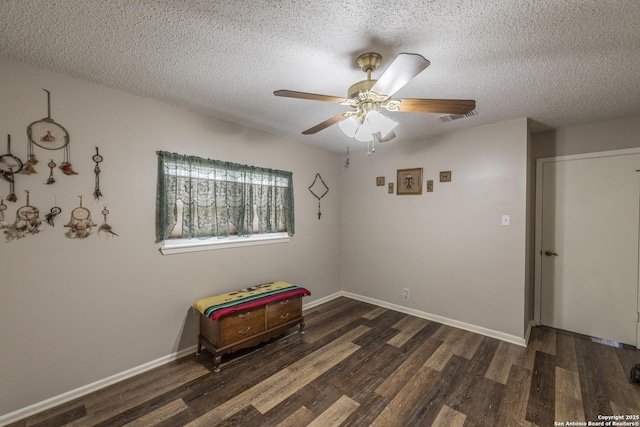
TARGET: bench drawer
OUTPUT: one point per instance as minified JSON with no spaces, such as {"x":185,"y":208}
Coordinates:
{"x":239,"y":326}
{"x":281,"y":312}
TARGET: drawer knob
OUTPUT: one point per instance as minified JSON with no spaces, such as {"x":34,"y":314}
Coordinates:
{"x":285,"y":302}
{"x":244,"y":331}
{"x":243,"y":315}
{"x":284,"y":316}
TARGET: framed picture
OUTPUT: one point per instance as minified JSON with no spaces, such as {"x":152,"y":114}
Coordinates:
{"x":429,"y":186}
{"x":380,"y":181}
{"x":409,"y":181}
{"x":390,"y":188}
{"x":445,"y":176}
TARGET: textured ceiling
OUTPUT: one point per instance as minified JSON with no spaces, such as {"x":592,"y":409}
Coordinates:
{"x":558,"y":62}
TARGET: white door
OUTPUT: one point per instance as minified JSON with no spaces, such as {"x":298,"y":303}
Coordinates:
{"x":589,"y":246}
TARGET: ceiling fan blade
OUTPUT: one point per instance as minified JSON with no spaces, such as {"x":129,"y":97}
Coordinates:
{"x":311,"y":96}
{"x":443,"y":106}
{"x":332,"y":121}
{"x":404,"y":68}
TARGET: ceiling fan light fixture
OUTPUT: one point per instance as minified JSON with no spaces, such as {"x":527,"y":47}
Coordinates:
{"x":365,"y":132}
{"x":380,"y":123}
{"x":350,"y":126}
{"x":364,"y":128}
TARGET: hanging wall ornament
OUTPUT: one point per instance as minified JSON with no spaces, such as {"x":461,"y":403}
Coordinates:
{"x":319,"y":189}
{"x":80,"y":224}
{"x":27,"y":222}
{"x":52,"y":214}
{"x":51,"y":165}
{"x":28,"y":167}
{"x":106,"y":227}
{"x":97,"y":158}
{"x":49,"y":135}
{"x":10,"y":165}
{"x":3,"y":207}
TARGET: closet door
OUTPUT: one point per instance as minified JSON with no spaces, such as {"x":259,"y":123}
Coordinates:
{"x":589,"y":260}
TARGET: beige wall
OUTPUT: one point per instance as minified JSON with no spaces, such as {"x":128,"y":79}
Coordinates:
{"x":588,"y":138}
{"x":448,"y":247}
{"x":73,"y":312}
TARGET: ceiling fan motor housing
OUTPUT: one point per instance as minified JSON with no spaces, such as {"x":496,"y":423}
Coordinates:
{"x":369,"y":61}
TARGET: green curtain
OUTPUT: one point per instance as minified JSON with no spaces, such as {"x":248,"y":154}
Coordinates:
{"x":219,"y":198}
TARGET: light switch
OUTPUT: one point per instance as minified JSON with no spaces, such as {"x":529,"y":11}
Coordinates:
{"x":506,"y":219}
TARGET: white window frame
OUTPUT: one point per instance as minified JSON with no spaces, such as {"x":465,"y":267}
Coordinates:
{"x":180,"y":246}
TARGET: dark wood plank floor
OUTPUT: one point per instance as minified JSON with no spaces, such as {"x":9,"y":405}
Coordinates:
{"x":362,"y":365}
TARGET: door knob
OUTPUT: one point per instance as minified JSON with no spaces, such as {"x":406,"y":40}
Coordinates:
{"x":549,"y":253}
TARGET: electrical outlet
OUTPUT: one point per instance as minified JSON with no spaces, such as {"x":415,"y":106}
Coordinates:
{"x":405,"y":293}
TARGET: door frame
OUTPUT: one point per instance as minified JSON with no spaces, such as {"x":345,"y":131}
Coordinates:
{"x":538,"y":224}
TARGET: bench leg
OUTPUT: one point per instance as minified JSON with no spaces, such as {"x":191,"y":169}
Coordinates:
{"x":216,"y":362}
{"x":199,"y":346}
{"x":301,"y":326}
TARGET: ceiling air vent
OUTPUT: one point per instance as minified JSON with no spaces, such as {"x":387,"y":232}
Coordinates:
{"x":452,"y":117}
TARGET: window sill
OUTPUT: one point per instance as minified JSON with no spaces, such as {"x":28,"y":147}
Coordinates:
{"x":180,"y":246}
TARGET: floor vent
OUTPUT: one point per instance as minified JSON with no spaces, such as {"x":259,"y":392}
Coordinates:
{"x":452,"y":117}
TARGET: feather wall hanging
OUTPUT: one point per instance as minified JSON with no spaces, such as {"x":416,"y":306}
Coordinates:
{"x":10,"y":165}
{"x":48,"y":134}
{"x":97,"y":158}
{"x":3,"y":223}
{"x":106,"y":227}
{"x":53,"y":212}
{"x":80,"y":224}
{"x":27,"y":222}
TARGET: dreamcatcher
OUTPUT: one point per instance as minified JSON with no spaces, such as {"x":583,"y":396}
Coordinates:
{"x":27,"y":222}
{"x":52,"y":214}
{"x":49,"y":135}
{"x":97,"y":158}
{"x":80,"y":224}
{"x":320,"y":191}
{"x":9,"y":166}
{"x":3,"y":207}
{"x":106,"y":227}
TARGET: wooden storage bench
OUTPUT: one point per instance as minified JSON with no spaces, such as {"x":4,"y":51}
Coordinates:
{"x":247,"y":317}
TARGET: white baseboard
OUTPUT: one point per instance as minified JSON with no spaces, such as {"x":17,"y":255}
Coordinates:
{"x":532,"y":324}
{"x":424,"y":315}
{"x":322,"y":300}
{"x":90,"y":388}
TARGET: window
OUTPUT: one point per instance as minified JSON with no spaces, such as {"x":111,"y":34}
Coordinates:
{"x":204,"y":199}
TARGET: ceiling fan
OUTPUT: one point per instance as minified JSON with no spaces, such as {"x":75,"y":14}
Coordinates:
{"x":368,"y":96}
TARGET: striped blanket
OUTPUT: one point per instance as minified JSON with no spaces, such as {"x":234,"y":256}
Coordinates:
{"x":255,"y":296}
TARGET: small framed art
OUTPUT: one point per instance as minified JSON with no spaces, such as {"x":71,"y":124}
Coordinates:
{"x":445,"y":176}
{"x":409,"y":181}
{"x":380,"y":181}
{"x":390,"y":186}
